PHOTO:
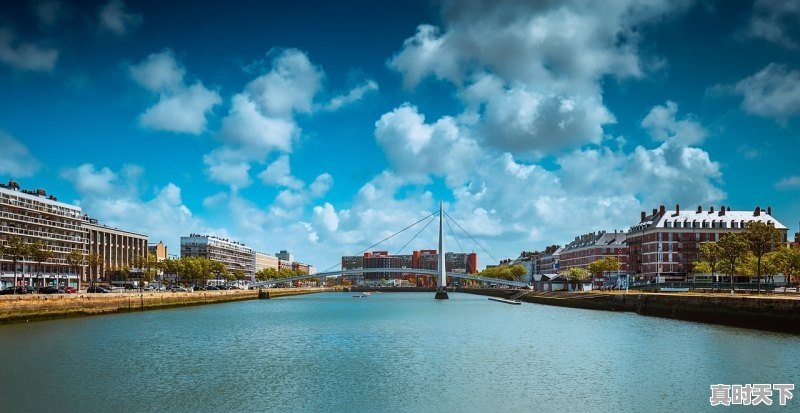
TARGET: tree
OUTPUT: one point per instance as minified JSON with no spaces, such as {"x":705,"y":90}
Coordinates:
{"x":733,"y":247}
{"x":76,"y":261}
{"x":577,"y":275}
{"x":603,"y":265}
{"x":16,"y":250}
{"x":93,"y":261}
{"x":702,"y":267}
{"x":762,"y":238}
{"x":40,"y":252}
{"x":711,"y":254}
{"x":787,"y":262}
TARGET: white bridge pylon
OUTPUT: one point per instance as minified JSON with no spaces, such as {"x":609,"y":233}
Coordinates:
{"x":441,"y":273}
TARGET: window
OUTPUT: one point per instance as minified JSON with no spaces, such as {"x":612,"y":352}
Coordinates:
{"x":734,"y":224}
{"x":667,"y":224}
{"x":677,"y":224}
{"x":695,"y":224}
{"x":723,"y":224}
{"x":705,"y":224}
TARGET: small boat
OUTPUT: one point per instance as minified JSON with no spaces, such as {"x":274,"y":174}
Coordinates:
{"x":362,"y":295}
{"x":504,"y":300}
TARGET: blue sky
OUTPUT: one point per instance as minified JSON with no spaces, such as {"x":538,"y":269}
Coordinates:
{"x":321,"y":127}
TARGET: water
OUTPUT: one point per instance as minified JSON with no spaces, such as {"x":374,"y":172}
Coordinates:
{"x":402,"y":352}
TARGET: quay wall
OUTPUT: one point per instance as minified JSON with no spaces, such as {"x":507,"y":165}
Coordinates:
{"x":31,"y":307}
{"x":765,"y":312}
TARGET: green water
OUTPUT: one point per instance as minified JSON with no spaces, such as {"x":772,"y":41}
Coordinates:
{"x":401,"y":352}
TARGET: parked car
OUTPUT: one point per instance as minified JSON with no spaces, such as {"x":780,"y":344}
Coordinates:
{"x":70,"y":290}
{"x":178,"y":289}
{"x":97,"y":289}
{"x":21,"y":289}
{"x":50,"y":289}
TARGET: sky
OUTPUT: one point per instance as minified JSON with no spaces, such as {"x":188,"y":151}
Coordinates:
{"x":324,"y":127}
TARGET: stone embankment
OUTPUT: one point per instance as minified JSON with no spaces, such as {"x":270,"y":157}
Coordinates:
{"x":22,"y":308}
{"x":763,"y":312}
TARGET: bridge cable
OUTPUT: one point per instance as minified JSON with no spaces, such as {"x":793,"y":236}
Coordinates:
{"x":416,"y":235}
{"x":454,"y":235}
{"x":385,"y":239}
{"x":472,"y":238}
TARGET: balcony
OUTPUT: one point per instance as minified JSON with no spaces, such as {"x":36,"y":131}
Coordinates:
{"x":40,"y":234}
{"x":39,"y":221}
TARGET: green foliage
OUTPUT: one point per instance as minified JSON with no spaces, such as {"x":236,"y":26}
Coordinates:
{"x":733,"y":247}
{"x":787,"y":261}
{"x":577,"y":274}
{"x":602,"y":265}
{"x":504,"y":272}
{"x":702,"y":267}
{"x":711,"y":254}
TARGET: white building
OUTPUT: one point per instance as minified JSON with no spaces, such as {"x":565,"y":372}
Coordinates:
{"x":234,"y":255}
{"x":34,"y":216}
{"x":263,"y":261}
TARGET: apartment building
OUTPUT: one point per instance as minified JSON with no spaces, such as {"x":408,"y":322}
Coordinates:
{"x":116,"y":249}
{"x":234,"y":255}
{"x":34,"y":216}
{"x":665,"y":243}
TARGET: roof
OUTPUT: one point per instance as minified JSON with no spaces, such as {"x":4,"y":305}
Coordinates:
{"x":660,"y":220}
{"x":597,"y":239}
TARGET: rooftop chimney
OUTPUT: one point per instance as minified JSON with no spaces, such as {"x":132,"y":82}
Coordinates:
{"x":722,"y":210}
{"x":769,"y":210}
{"x":757,"y":212}
{"x":655,"y":211}
{"x":699,"y":209}
{"x":644,"y":216}
{"x":662,"y":209}
{"x":677,"y":209}
{"x":711,"y":211}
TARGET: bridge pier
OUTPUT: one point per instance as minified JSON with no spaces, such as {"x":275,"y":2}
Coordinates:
{"x":441,"y":294}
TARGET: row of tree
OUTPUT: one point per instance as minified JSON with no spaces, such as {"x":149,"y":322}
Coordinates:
{"x":756,"y":251}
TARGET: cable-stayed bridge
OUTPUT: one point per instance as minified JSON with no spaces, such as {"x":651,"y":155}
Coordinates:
{"x":441,"y":274}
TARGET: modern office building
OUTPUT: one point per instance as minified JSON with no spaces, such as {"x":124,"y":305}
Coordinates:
{"x":285,"y":255}
{"x":664,"y":244}
{"x":422,"y":259}
{"x":34,"y":216}
{"x":234,"y":255}
{"x":116,"y":248}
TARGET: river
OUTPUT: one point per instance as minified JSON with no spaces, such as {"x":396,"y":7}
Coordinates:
{"x":390,"y":352}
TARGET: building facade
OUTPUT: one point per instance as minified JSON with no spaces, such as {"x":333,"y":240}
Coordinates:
{"x":117,"y":249}
{"x":34,"y":216}
{"x":285,"y":255}
{"x":466,"y":263}
{"x":159,"y":251}
{"x":263,"y":261}
{"x":664,"y":244}
{"x":588,"y":248}
{"x":547,"y":260}
{"x":234,"y":255}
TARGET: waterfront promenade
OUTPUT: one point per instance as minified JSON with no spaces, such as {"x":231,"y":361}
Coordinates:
{"x":31,"y":307}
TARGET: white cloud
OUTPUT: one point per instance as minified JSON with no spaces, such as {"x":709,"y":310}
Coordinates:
{"x":532,"y":70}
{"x":414,"y":147}
{"x":180,"y":108}
{"x":183,"y":112}
{"x":249,"y":129}
{"x":775,"y":21}
{"x":88,"y":180}
{"x":662,"y":124}
{"x":788,"y":183}
{"x":322,"y":183}
{"x":228,"y":167}
{"x":158,"y":72}
{"x":15,"y":158}
{"x":25,"y":56}
{"x":116,"y":18}
{"x":326,"y":217}
{"x":354,"y":95}
{"x":773,"y":92}
{"x":279,"y":173}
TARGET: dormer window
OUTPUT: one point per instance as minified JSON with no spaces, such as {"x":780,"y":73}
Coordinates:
{"x":723,"y":224}
{"x":734,"y":224}
{"x":667,"y":224}
{"x":677,"y":224}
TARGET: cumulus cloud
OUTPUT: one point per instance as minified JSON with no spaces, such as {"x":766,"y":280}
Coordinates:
{"x":662,"y":124}
{"x":15,"y":158}
{"x":532,"y":70}
{"x":415,"y":147}
{"x":261,"y":120}
{"x":25,"y":56}
{"x":228,"y":167}
{"x":772,"y":92}
{"x":280,"y":173}
{"x":180,"y":108}
{"x":775,"y":21}
{"x":115,"y":17}
{"x":88,"y":180}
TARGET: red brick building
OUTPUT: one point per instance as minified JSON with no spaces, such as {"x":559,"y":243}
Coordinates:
{"x":664,"y":244}
{"x":588,"y":248}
